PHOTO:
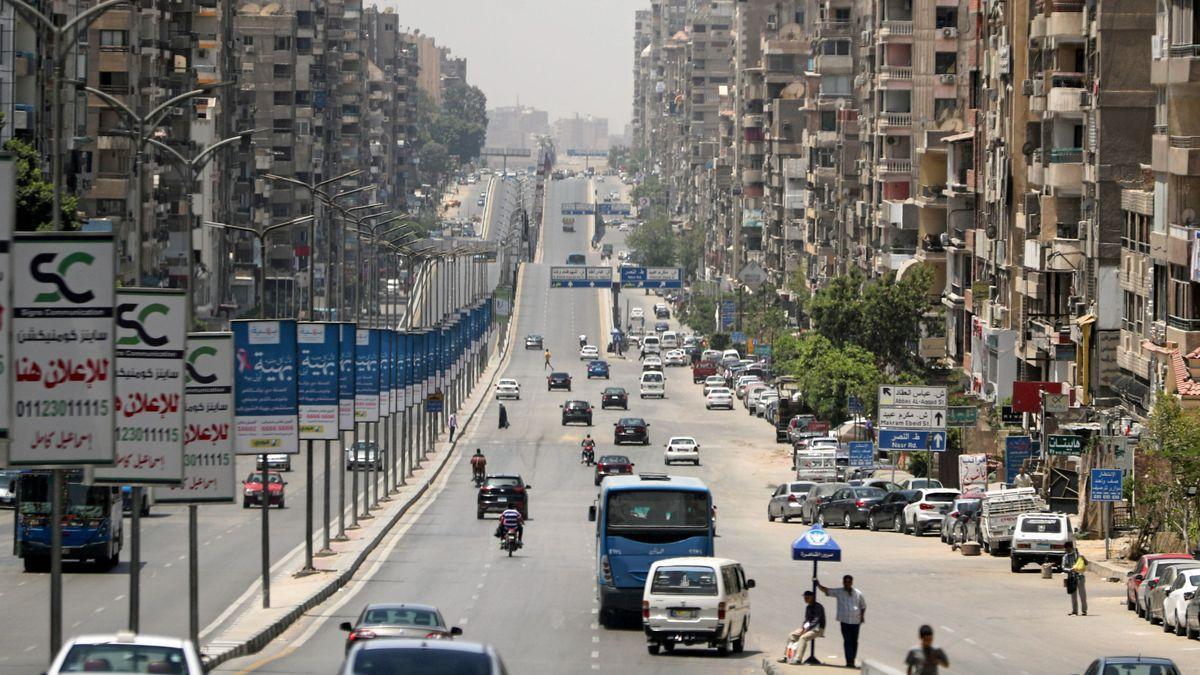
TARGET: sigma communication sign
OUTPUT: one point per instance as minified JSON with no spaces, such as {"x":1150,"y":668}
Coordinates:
{"x":318,"y":384}
{"x":208,"y":462}
{"x":265,"y":401}
{"x":149,"y":389}
{"x":62,"y":349}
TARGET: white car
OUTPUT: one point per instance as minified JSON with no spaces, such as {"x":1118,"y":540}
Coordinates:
{"x":126,"y":652}
{"x":719,"y":397}
{"x":744,"y":381}
{"x":713,"y":381}
{"x":704,"y":601}
{"x":765,"y":399}
{"x":637,"y":313}
{"x":927,"y":509}
{"x":682,"y":449}
{"x":508,"y":388}
{"x":676,"y":357}
{"x":624,"y":227}
{"x":710,"y":355}
{"x":751,"y":393}
{"x":1176,"y":602}
{"x":652,"y":362}
{"x":589,"y":353}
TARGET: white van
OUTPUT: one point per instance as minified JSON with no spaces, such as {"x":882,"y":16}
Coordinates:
{"x":696,"y":601}
{"x":1040,"y":538}
{"x":651,"y":344}
{"x":653,"y":383}
{"x":670,"y":340}
{"x":730,"y":356}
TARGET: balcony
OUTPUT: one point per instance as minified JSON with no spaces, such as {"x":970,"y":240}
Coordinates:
{"x":827,"y":29}
{"x":896,"y":31}
{"x":1064,"y":255}
{"x":1065,"y":21}
{"x":894,"y":121}
{"x":1181,"y":65}
{"x":1066,"y":100}
{"x":1177,"y":155}
{"x":894,"y":73}
{"x":892,"y":167}
{"x":752,"y":176}
{"x":796,"y":201}
{"x":1065,"y":172}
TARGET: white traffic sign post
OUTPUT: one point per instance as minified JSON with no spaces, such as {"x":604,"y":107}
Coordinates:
{"x":911,"y":418}
{"x":917,"y":409}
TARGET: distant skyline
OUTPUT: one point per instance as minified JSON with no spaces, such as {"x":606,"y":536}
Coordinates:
{"x":562,"y":56}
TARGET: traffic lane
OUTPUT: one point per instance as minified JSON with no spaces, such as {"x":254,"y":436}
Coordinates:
{"x":96,"y":602}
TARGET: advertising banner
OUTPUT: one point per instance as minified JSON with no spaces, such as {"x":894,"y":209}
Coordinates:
{"x":151,"y":338}
{"x":366,"y":382}
{"x":346,"y":378}
{"x":317,"y":345}
{"x":1017,"y":449}
{"x":265,"y":401}
{"x":63,"y":370}
{"x":385,"y":372}
{"x":972,"y":472}
{"x":209,"y":470}
{"x":406,"y":369}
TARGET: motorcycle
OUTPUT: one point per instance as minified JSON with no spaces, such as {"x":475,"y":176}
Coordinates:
{"x":588,"y":455}
{"x":478,"y":480}
{"x":509,"y":541}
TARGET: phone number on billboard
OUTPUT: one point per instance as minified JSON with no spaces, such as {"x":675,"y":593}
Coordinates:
{"x":156,"y":434}
{"x":92,"y":407}
{"x":208,"y":459}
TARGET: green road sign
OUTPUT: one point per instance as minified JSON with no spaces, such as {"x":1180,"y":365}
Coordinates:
{"x":1064,"y":444}
{"x":962,"y":416}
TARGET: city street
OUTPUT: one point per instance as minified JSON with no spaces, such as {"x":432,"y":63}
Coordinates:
{"x":539,"y":607}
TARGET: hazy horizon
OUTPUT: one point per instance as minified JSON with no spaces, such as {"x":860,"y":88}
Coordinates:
{"x":540,"y":53}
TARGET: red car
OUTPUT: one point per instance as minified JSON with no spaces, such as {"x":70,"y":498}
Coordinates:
{"x":1137,"y":575}
{"x":252,"y":489}
{"x":612,"y":465}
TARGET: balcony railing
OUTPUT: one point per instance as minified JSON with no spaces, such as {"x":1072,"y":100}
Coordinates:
{"x":1066,"y":155}
{"x":1183,"y":323}
{"x":896,"y":165}
{"x":1185,"y":142}
{"x":1184,"y":51}
{"x":890,"y":27}
{"x":891,"y":119}
{"x":896,"y":72}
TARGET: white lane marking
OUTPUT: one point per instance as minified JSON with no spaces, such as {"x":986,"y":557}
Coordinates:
{"x":595,"y":611}
{"x":948,"y":629}
{"x":167,"y":564}
{"x":595,"y":638}
{"x":77,"y":624}
{"x":30,"y":648}
{"x":969,"y":641}
{"x":999,"y":656}
{"x":595,"y":655}
{"x":595,"y":626}
{"x":119,"y":598}
{"x":98,"y":610}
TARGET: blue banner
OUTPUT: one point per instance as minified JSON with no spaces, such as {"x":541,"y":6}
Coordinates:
{"x":317,"y":344}
{"x":385,"y":372}
{"x":405,"y":363}
{"x":346,"y":376}
{"x":862,"y":453}
{"x":1107,"y":485}
{"x":418,"y":371}
{"x":1017,"y":449}
{"x":265,"y":402}
{"x":366,"y":378}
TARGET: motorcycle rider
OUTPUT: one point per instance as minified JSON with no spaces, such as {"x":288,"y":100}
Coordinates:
{"x":478,"y":465}
{"x":511,"y":519}
{"x":587,"y":453}
{"x":582,"y":341}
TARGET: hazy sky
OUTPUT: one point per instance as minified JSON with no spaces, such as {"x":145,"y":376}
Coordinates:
{"x":563,"y":56}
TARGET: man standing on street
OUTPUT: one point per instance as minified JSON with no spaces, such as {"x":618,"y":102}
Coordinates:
{"x":1075,"y":566}
{"x":925,"y":659}
{"x":547,"y":355}
{"x":851,"y":614}
{"x":813,"y":628}
{"x":452,"y":422}
{"x":1022,"y":480}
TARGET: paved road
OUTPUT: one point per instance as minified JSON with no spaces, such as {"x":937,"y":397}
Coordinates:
{"x":539,"y":607}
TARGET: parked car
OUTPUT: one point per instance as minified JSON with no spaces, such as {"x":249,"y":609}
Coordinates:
{"x":631,"y":430}
{"x":889,"y":511}
{"x":533,"y":342}
{"x":612,"y":465}
{"x":764,"y":400}
{"x":1132,"y":665}
{"x":614,"y":397}
{"x":921,"y":483}
{"x":508,"y":388}
{"x":849,"y":506}
{"x":501,"y":491}
{"x":558,"y":381}
{"x":960,"y":510}
{"x":1153,"y":576}
{"x":398,"y":620}
{"x":711,"y":382}
{"x":1040,"y":538}
{"x":682,"y":449}
{"x":817,"y":496}
{"x":589,"y":353}
{"x":676,"y":357}
{"x":881,"y":483}
{"x":696,"y":600}
{"x":786,"y":500}
{"x":718,"y":397}
{"x":927,"y":509}
{"x":597,"y":369}
{"x":8,"y":487}
{"x":1156,"y":597}
{"x":126,"y":652}
{"x":1182,"y":590}
{"x":576,"y":411}
{"x":422,"y":656}
{"x":1135,"y":576}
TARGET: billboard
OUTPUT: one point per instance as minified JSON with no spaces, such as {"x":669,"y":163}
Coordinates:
{"x":317,"y":385}
{"x":209,"y":469}
{"x":265,"y":401}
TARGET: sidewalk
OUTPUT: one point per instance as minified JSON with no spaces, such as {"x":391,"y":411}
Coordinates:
{"x":1113,"y":569}
{"x":293,"y":595}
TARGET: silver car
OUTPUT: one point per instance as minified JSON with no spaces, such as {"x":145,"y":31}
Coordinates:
{"x":818,"y":495}
{"x":787,"y":499}
{"x":373,"y":657}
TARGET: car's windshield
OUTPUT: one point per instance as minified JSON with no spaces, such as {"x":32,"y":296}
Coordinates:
{"x":684,"y":581}
{"x":658,"y":509}
{"x":632,"y":422}
{"x":256,"y":477}
{"x":125,"y":658}
{"x":426,"y":659}
{"x":401,"y":616}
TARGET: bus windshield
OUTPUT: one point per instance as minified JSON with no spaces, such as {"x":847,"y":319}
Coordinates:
{"x":654,"y":509}
{"x":81,"y":501}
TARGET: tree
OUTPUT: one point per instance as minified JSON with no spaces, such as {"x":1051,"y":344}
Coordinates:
{"x":654,"y":243}
{"x":689,"y":251}
{"x":829,"y":374}
{"x":35,"y":194}
{"x":699,"y":314}
{"x":461,"y":124}
{"x":1173,"y":436}
{"x":836,"y":310}
{"x":653,"y":190}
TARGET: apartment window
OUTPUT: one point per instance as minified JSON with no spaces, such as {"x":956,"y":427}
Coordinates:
{"x":1185,"y":302}
{"x":304,"y":19}
{"x":281,"y":210}
{"x":303,"y":97}
{"x":113,"y":39}
{"x":947,"y":17}
{"x":835,"y":85}
{"x":945,"y":63}
{"x":842,"y":15}
{"x":836,"y":47}
{"x":283,"y":98}
{"x":303,"y":45}
{"x":945,"y":108}
{"x":828,"y":120}
{"x":110,"y":207}
{"x":1136,"y":236}
{"x":248,"y":40}
{"x":114,"y":82}
{"x":282,"y":70}
{"x":282,"y":125}
{"x":800,"y":17}
{"x":283,"y":43}
{"x":282,"y":153}
{"x":303,"y":128}
{"x":349,"y":109}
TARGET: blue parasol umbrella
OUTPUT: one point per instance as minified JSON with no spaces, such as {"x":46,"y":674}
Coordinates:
{"x":816,"y":545}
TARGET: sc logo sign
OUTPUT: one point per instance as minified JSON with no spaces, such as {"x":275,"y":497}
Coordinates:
{"x":56,"y":278}
{"x":190,"y":365}
{"x":138,"y":325}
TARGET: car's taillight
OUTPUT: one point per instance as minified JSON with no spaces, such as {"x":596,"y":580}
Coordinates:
{"x":1021,"y":546}
{"x":437,"y":635}
{"x":606,"y":571}
{"x":721,"y":611}
{"x":518,"y":489}
{"x":860,"y":503}
{"x":927,"y":507}
{"x":792,"y":499}
{"x":362,"y":634}
{"x":645,"y":609}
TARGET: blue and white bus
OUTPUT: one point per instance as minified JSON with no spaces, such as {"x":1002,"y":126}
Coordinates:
{"x":91,"y":522}
{"x":640,"y":519}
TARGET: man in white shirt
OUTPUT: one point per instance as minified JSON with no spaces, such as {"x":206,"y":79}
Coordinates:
{"x":851,"y":614}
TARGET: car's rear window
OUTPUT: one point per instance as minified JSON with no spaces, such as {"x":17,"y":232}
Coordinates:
{"x":632,"y":422}
{"x":614,"y":390}
{"x":1041,"y":525}
{"x":614,"y":459}
{"x":684,"y":581}
{"x":941,"y":497}
{"x":400,"y":616}
{"x":428,"y":661}
{"x":800,"y":487}
{"x":652,"y":377}
{"x":504,"y":482}
{"x":125,"y":658}
{"x":1139,"y":669}
{"x":869,"y":492}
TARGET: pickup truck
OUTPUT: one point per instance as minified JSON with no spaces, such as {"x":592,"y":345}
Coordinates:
{"x":703,"y":369}
{"x":998,"y":516}
{"x":787,"y":410}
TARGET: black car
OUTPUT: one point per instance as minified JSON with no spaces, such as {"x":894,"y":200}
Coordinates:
{"x":533,"y":342}
{"x":558,"y":381}
{"x":661,"y":327}
{"x":631,"y":430}
{"x":501,"y":492}
{"x":614,"y":397}
{"x":850,"y":506}
{"x":577,"y":411}
{"x":612,"y":465}
{"x":889,"y":511}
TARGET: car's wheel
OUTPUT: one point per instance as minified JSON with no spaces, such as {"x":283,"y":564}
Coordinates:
{"x":1189,"y":633}
{"x":1179,"y":629}
{"x":846,"y":522}
{"x":34,"y":563}
{"x":668,"y":646}
{"x":784,"y":517}
{"x":696,"y":463}
{"x":597,"y":481}
{"x":917,"y":530}
{"x":653,"y":649}
{"x":725,"y":643}
{"x":770,"y":518}
{"x":245,"y":503}
{"x":479,"y":514}
{"x":740,"y":643}
{"x":280,"y":505}
{"x":898,"y":525}
{"x":871,"y":524}
{"x":1015,"y":564}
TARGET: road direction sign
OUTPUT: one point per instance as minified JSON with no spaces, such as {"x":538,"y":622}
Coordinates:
{"x":912,"y":418}
{"x":578,"y":209}
{"x":738,"y":337}
{"x":579,"y":276}
{"x":643,"y":202}
{"x":727,"y":312}
{"x":1106,"y":485}
{"x":908,"y":396}
{"x":652,"y":277}
{"x":1017,"y":449}
{"x":911,"y":441}
{"x":1063,"y":444}
{"x":862,"y":453}
{"x":855,"y":406}
{"x":614,"y":208}
{"x":962,"y":416}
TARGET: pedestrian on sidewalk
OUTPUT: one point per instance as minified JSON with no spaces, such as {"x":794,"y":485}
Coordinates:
{"x":452,"y":422}
{"x":802,"y":637}
{"x":503,"y":417}
{"x":925,"y":659}
{"x":851,"y":614}
{"x":548,"y":366}
{"x":1075,"y":565}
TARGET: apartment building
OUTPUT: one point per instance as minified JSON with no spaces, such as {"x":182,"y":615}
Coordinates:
{"x":516,"y":126}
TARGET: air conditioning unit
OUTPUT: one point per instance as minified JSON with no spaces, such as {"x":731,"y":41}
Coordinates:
{"x":949,"y":33}
{"x":1027,"y":87}
{"x":772,"y":22}
{"x":946,"y":78}
{"x":1085,"y":99}
{"x":177,"y":111}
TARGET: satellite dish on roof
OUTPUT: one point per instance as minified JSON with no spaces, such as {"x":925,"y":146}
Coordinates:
{"x":1189,"y":216}
{"x":270,"y":9}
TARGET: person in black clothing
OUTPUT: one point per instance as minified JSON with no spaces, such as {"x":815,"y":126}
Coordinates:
{"x":813,"y":628}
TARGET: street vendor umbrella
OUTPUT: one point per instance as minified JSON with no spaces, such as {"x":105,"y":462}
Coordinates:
{"x":816,"y":545}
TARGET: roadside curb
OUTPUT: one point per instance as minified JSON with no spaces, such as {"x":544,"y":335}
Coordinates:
{"x":1106,"y":570}
{"x":263,"y":637}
